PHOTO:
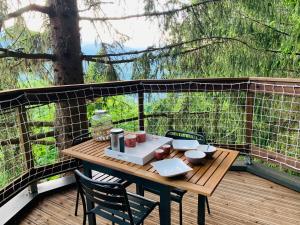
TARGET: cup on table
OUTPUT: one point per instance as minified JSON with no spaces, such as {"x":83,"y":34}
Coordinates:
{"x":159,"y":154}
{"x":130,"y":140}
{"x":140,"y":136}
{"x":166,"y":148}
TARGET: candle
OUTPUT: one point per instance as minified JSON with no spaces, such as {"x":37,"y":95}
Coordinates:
{"x":140,"y":136}
{"x":159,"y":154}
{"x":130,"y":140}
{"x":166,"y":148}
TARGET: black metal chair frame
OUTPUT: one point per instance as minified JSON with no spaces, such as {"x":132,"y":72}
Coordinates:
{"x":112,"y":202}
{"x":103,"y":177}
{"x":177,"y":194}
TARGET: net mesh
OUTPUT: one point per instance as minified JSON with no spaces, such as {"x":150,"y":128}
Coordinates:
{"x":37,"y":125}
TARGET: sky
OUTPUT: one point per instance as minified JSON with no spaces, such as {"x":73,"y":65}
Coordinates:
{"x":141,"y":33}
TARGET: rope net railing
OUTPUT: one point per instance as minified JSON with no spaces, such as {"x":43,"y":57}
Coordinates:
{"x":258,"y":119}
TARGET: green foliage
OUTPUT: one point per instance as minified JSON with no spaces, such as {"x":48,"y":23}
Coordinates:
{"x":15,"y":70}
{"x":44,"y":155}
{"x":99,"y":72}
{"x":119,"y":107}
{"x":254,"y":38}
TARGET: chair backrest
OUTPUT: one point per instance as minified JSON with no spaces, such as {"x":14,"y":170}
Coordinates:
{"x":107,"y":195}
{"x":81,"y":138}
{"x":176,"y":134}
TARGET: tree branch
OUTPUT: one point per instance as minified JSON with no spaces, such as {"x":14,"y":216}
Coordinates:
{"x":6,"y":53}
{"x":173,"y":11}
{"x":93,"y":5}
{"x":19,"y":12}
{"x":263,"y":24}
{"x":152,"y":57}
{"x":86,"y":57}
{"x":213,"y":40}
{"x":259,"y":49}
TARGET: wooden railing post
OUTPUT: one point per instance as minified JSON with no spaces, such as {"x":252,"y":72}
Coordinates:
{"x":249,"y":124}
{"x":141,"y":110}
{"x":25,"y":142}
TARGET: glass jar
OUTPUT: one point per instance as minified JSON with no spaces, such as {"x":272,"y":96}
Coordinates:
{"x":101,"y":124}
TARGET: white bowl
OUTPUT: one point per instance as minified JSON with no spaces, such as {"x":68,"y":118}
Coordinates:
{"x":207,"y":149}
{"x":194,"y":156}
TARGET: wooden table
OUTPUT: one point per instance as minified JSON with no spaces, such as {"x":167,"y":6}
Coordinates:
{"x":203,"y":179}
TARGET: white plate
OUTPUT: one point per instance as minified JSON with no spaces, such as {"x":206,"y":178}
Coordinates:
{"x":171,"y":167}
{"x":185,"y":145}
{"x":206,"y":148}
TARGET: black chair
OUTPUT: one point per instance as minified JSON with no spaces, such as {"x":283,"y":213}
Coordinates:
{"x":96,"y":176}
{"x":112,"y":202}
{"x":177,"y":194}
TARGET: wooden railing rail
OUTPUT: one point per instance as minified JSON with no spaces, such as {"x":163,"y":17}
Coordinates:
{"x":13,"y":98}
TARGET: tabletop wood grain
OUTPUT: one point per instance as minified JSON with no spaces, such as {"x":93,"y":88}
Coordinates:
{"x":203,"y":179}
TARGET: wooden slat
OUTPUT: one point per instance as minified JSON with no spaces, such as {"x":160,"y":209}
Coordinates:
{"x":204,"y":168}
{"x":240,"y":199}
{"x":213,"y":168}
{"x":217,"y":176}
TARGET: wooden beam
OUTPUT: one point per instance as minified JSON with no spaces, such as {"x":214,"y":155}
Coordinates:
{"x":141,"y":110}
{"x":291,"y":89}
{"x":24,"y":140}
{"x":47,"y":95}
{"x":25,"y":144}
{"x":249,"y":119}
{"x":15,"y":141}
{"x":277,"y":158}
{"x":30,"y":124}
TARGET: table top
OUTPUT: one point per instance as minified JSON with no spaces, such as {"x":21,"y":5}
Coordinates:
{"x":203,"y":179}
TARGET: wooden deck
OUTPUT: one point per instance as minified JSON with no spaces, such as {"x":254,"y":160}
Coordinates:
{"x":240,"y":199}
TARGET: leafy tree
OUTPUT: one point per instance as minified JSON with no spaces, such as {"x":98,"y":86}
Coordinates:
{"x":236,"y":38}
{"x":99,"y":72}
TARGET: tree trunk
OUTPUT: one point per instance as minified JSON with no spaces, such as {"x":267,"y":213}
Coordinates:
{"x":71,"y":116}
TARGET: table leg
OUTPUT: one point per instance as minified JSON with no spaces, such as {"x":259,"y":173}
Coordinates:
{"x":165,"y":206}
{"x":91,"y":217}
{"x":201,"y":210}
{"x":140,"y":189}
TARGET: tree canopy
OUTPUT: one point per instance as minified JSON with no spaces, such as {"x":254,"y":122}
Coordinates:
{"x":201,"y":39}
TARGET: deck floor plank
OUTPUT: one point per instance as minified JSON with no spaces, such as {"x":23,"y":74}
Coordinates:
{"x":240,"y":199}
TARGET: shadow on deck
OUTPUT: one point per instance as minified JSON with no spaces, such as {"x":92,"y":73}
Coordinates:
{"x":240,"y":199}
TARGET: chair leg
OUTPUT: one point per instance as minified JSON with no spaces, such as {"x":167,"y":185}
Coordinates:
{"x":180,"y":213}
{"x":77,"y":202}
{"x":84,"y":219}
{"x":83,"y":207}
{"x":207,"y":205}
{"x":112,"y":223}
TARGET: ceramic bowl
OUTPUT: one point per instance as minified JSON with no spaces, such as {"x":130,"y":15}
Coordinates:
{"x":195,"y":157}
{"x":207,"y":149}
